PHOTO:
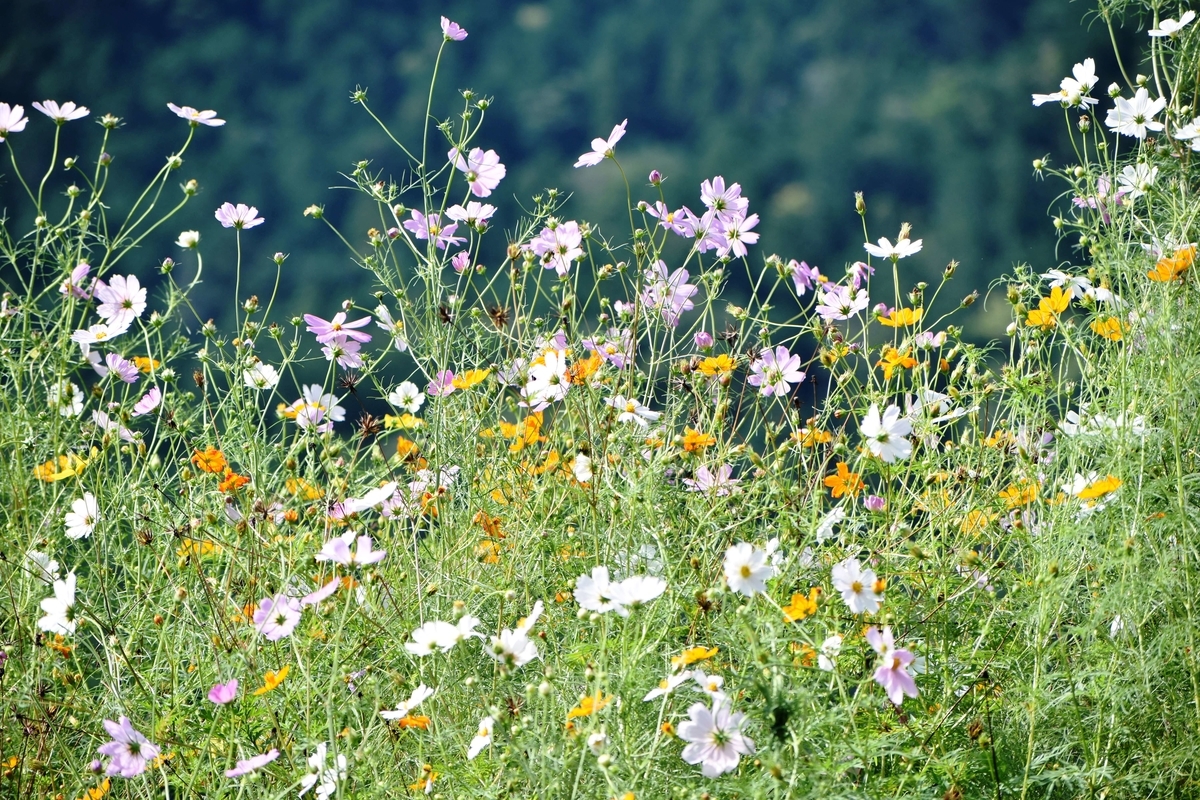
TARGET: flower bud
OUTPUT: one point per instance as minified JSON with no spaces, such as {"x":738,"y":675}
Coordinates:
{"x":69,"y":163}
{"x":1085,"y":123}
{"x":105,"y":159}
{"x":1141,"y":80}
{"x":860,"y":205}
{"x":174,"y":162}
{"x":191,"y":187}
{"x":655,"y":177}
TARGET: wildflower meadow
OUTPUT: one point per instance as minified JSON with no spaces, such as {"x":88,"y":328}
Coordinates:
{"x":566,"y":512}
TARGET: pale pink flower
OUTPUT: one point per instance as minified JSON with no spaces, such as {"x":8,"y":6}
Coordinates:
{"x":325,"y":592}
{"x":775,"y":371}
{"x":276,"y":617}
{"x":441,"y":385}
{"x":892,"y":673}
{"x":109,"y":425}
{"x":558,"y":246}
{"x":837,"y":302}
{"x":720,"y":483}
{"x":338,"y":551}
{"x":483,"y":170}
{"x":345,"y":351}
{"x":736,"y":234}
{"x":804,"y":276}
{"x":130,"y":751}
{"x":670,"y":295}
{"x":461,"y":261}
{"x":453,"y":31}
{"x":125,"y":370}
{"x":725,"y":203}
{"x":475,"y":215}
{"x":12,"y":119}
{"x":223,"y":693}
{"x":195,"y":117}
{"x":430,"y":228}
{"x":247,"y":765}
{"x":122,"y":299}
{"x":74,"y":284}
{"x":60,"y":114}
{"x":602,"y":148}
{"x":673,"y":221}
{"x":240,"y":216}
{"x":715,"y":739}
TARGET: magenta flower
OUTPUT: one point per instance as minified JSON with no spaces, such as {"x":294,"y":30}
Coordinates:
{"x":602,"y":148}
{"x":12,"y":119}
{"x":60,"y":114}
{"x":804,"y":276}
{"x":124,"y":370}
{"x":223,"y":693}
{"x":892,"y":673}
{"x":452,"y":31}
{"x":247,"y":765}
{"x":441,"y":385}
{"x":483,"y":169}
{"x":239,"y":216}
{"x":670,"y":295}
{"x":327,"y":331}
{"x":276,"y":617}
{"x":130,"y":752}
{"x":431,"y":228}
{"x":703,"y":340}
{"x":775,"y":371}
{"x":461,"y":261}
{"x":195,"y":117}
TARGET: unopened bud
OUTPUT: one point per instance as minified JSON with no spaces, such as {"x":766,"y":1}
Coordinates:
{"x":860,"y":205}
{"x":655,"y":177}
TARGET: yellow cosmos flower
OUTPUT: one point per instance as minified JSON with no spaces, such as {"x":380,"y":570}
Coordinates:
{"x":471,"y":377}
{"x":893,"y":358}
{"x":145,"y":363}
{"x":694,"y":441}
{"x":902,"y":317}
{"x":692,"y":655}
{"x":1170,"y":268}
{"x":403,"y":422}
{"x":1110,"y":328}
{"x":1045,"y":316}
{"x":272,"y":679}
{"x":1016,"y":495}
{"x":802,"y":607}
{"x":301,"y":487}
{"x":716,"y":366}
{"x":1097,"y":489}
{"x":63,"y":467}
{"x":589,"y":705}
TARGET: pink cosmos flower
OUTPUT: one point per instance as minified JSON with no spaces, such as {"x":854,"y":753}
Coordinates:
{"x":736,"y":234}
{"x":706,"y":230}
{"x":602,"y":148}
{"x":430,"y":228}
{"x":129,"y":750}
{"x":674,"y":221}
{"x":109,"y":425}
{"x":12,"y":119}
{"x":775,"y":371}
{"x":122,"y":299}
{"x":195,"y":117}
{"x":74,"y":284}
{"x":337,"y":549}
{"x":441,"y":385}
{"x":860,"y":273}
{"x":323,"y":593}
{"x":715,"y":739}
{"x":223,"y":693}
{"x":719,"y":483}
{"x":670,"y":295}
{"x":726,"y":203}
{"x":327,"y":331}
{"x":615,"y":347}
{"x":276,"y":617}
{"x":461,"y":261}
{"x":837,"y":302}
{"x":804,"y":276}
{"x":452,"y":31}
{"x":240,"y":216}
{"x":345,"y":351}
{"x":483,"y":169}
{"x":703,"y":340}
{"x":558,"y":246}
{"x":874,"y":502}
{"x":60,"y":114}
{"x":100,"y":332}
{"x":892,"y":673}
{"x":124,"y":370}
{"x":247,"y":765}
{"x":476,"y":214}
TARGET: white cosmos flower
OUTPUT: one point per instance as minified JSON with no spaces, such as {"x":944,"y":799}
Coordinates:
{"x":594,"y":592}
{"x":901,"y":249}
{"x":747,"y":569}
{"x":1168,"y":27}
{"x":60,"y":609}
{"x":830,"y":648}
{"x":1135,"y":117}
{"x":1073,"y":91}
{"x":44,"y":568}
{"x":100,"y":332}
{"x":407,"y":397}
{"x":548,"y":380}
{"x":885,"y":434}
{"x":66,"y":397}
{"x":405,"y":707}
{"x":857,"y":586}
{"x":483,"y":737}
{"x":188,"y":240}
{"x":828,"y":522}
{"x":668,"y":685}
{"x":1137,"y":180}
{"x":60,"y":114}
{"x":82,"y":517}
{"x":436,"y":635}
{"x":630,"y":410}
{"x":261,"y":376}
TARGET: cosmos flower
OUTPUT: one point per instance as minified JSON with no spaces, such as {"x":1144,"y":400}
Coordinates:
{"x":83,"y":516}
{"x":484,"y":173}
{"x":482,"y":739}
{"x":60,"y":114}
{"x":12,"y":120}
{"x":453,"y":31}
{"x":715,"y":739}
{"x":276,"y":617}
{"x":60,"y":609}
{"x":602,"y":148}
{"x":1073,"y":91}
{"x":901,"y":249}
{"x":130,"y":752}
{"x":747,"y":569}
{"x":247,"y":765}
{"x":857,"y":585}
{"x":775,"y":371}
{"x":196,"y":118}
{"x":885,"y":434}
{"x":240,"y":216}
{"x":223,"y":693}
{"x":1135,"y":117}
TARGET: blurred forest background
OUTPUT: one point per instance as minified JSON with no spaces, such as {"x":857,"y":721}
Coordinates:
{"x":923,"y":105}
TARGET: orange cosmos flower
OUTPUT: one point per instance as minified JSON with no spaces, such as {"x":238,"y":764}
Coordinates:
{"x":210,"y":460}
{"x":232,"y":481}
{"x":589,"y":705}
{"x":694,"y":441}
{"x":802,"y":607}
{"x":272,"y":679}
{"x":844,"y":482}
{"x":692,"y":655}
{"x":893,"y":358}
{"x":1170,"y":268}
